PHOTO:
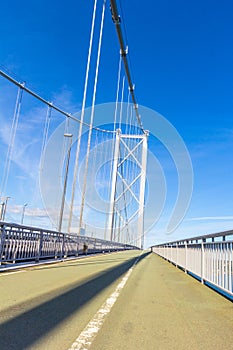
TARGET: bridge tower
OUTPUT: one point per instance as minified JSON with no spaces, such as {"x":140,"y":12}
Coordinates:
{"x":127,"y":197}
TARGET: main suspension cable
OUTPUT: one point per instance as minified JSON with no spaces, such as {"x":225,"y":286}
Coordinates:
{"x":52,"y":105}
{"x":124,"y":51}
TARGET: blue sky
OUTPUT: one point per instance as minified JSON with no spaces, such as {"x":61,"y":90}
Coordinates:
{"x":181,"y":56}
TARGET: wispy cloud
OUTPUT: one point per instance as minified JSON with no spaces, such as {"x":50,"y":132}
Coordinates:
{"x":22,"y":184}
{"x":209,"y":218}
{"x":29,"y":133}
{"x":64,"y":99}
{"x":215,"y":144}
{"x":38,"y":212}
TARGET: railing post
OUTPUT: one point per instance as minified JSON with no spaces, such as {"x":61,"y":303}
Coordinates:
{"x":2,"y":242}
{"x":186,"y":257}
{"x":64,"y":253}
{"x":77,"y":249}
{"x":202,"y":261}
{"x":40,"y":245}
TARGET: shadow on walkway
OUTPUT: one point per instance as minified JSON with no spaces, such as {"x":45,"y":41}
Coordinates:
{"x":79,"y":263}
{"x":23,"y":330}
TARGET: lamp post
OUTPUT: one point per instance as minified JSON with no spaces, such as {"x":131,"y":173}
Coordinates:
{"x":2,"y":210}
{"x":65,"y":182}
{"x":4,"y":206}
{"x":23,"y":212}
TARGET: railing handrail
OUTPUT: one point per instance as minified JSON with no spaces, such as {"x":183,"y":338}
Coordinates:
{"x":209,"y":261}
{"x":203,"y":238}
{"x":20,"y":243}
{"x":70,"y":235}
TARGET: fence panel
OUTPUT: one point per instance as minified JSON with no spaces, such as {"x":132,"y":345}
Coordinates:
{"x":22,"y":243}
{"x":209,"y":258}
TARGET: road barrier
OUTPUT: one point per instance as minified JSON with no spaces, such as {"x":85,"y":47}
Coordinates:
{"x":24,"y":243}
{"x":209,"y":258}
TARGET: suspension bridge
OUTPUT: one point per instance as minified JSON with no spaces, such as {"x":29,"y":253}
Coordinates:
{"x":73,"y":271}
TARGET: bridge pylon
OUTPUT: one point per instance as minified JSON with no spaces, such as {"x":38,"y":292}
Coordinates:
{"x":128,"y":181}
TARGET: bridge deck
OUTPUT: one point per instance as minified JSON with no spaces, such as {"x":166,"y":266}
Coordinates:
{"x":159,"y":307}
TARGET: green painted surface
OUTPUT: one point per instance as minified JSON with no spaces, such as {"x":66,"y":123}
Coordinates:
{"x":46,"y":308}
{"x":160,"y":307}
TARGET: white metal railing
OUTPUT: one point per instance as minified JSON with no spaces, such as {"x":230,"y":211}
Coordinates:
{"x":21,"y":243}
{"x":209,"y":257}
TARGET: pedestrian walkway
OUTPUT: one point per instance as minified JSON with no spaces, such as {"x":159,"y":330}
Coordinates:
{"x":157,"y":306}
{"x":163,"y":308}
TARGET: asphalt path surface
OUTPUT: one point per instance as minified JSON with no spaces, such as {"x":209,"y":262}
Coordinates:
{"x":163,"y":308}
{"x":157,"y":306}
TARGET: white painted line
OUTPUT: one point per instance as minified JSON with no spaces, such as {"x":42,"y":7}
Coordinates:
{"x":86,"y":337}
{"x":10,"y":273}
